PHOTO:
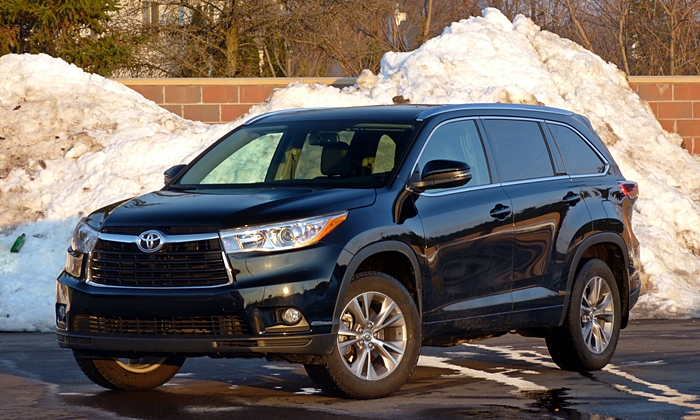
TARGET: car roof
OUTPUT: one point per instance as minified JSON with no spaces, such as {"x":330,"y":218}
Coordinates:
{"x":396,"y":113}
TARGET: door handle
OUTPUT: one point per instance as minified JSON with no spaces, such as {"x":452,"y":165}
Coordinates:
{"x":500,"y":212}
{"x":571,"y":198}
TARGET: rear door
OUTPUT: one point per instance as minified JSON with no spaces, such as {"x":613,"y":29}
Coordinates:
{"x":547,"y":213}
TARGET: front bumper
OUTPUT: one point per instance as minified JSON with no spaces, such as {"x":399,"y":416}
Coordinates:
{"x":306,"y":344}
{"x":240,"y":319}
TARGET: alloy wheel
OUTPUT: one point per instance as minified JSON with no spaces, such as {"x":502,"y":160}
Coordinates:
{"x":597,"y":315}
{"x":372,"y":337}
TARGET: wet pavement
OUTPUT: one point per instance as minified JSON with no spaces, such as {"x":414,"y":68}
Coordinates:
{"x":655,"y":374}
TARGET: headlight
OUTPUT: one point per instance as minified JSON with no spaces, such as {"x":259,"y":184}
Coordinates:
{"x":281,"y":236}
{"x":84,"y":237}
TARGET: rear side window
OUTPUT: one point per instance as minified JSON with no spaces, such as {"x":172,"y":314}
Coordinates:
{"x":578,"y":156}
{"x":519,"y":148}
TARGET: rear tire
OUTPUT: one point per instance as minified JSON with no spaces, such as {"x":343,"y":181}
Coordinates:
{"x":588,"y":338}
{"x":129,"y":374}
{"x":378,"y":343}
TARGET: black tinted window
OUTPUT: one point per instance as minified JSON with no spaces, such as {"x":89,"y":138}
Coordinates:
{"x":519,"y":148}
{"x":458,"y":141}
{"x":578,"y":156}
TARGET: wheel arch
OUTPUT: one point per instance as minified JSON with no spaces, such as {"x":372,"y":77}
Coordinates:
{"x":608,"y":247}
{"x":394,"y":258}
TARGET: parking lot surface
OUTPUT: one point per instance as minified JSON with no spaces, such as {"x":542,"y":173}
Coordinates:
{"x":655,"y":374}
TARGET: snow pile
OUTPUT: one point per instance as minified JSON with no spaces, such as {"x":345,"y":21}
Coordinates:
{"x":72,"y":139}
{"x":72,"y":142}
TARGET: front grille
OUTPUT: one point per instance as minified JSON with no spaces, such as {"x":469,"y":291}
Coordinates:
{"x":179,"y":264}
{"x":198,"y":325}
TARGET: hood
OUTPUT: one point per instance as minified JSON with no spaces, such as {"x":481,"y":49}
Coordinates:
{"x":225,"y":209}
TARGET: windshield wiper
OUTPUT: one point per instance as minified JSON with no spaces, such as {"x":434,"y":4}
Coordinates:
{"x":182,"y":187}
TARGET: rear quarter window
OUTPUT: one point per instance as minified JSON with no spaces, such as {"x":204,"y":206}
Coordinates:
{"x":579,"y":158}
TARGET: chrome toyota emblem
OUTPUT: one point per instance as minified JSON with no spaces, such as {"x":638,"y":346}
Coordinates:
{"x":150,"y":241}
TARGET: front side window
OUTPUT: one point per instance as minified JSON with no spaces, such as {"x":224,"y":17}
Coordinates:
{"x":458,"y":141}
{"x":309,"y":153}
{"x":519,"y":148}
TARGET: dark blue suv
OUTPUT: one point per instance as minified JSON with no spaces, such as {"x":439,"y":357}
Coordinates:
{"x":345,"y":239}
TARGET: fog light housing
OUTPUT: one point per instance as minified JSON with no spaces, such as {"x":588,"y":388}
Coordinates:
{"x":285,"y":320}
{"x":291,"y":316}
{"x":61,"y":315}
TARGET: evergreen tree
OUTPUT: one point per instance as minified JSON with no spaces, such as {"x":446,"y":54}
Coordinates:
{"x":74,"y":30}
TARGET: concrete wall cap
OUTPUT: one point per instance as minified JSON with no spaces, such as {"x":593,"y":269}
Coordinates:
{"x":664,"y":79}
{"x":252,"y":81}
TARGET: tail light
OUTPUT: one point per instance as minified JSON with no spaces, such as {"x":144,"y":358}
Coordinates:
{"x":630,"y":189}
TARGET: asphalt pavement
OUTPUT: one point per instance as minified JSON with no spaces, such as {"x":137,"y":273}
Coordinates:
{"x":655,"y":374}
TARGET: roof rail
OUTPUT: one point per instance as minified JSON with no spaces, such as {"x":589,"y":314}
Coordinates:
{"x":449,"y":108}
{"x":278,"y":112}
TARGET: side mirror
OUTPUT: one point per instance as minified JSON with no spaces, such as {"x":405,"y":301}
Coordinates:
{"x":172,"y":173}
{"x":442,"y":174}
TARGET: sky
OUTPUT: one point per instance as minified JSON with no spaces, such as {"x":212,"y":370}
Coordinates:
{"x":72,"y":142}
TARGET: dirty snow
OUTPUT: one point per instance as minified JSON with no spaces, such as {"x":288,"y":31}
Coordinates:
{"x":71,"y":142}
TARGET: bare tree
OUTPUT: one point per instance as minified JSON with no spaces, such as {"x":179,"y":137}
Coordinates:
{"x":246,"y":38}
{"x":651,"y":37}
{"x":428,"y":17}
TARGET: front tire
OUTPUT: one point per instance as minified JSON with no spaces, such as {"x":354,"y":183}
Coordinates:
{"x":588,"y":338}
{"x":129,"y":374}
{"x":378,"y":341}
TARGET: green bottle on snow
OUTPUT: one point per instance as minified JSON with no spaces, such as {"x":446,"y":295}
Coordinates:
{"x":18,"y":243}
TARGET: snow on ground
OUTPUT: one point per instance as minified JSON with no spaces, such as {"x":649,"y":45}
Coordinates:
{"x":72,"y":142}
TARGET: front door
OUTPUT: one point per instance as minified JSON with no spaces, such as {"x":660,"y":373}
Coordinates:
{"x":469,"y":239}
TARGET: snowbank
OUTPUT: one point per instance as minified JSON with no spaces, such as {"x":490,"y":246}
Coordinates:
{"x":84,"y":141}
{"x":71,"y":142}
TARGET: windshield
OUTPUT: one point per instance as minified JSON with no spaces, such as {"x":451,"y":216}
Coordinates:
{"x":350,"y":154}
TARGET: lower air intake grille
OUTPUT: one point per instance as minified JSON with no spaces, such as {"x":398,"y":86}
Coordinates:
{"x":199,"y":325}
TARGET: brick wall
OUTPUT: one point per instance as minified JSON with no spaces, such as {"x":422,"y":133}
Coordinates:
{"x":216,"y":100}
{"x":674,"y":100}
{"x":676,"y":103}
